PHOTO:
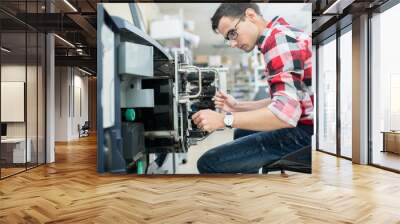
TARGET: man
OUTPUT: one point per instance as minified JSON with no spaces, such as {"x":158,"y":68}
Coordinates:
{"x":274,"y":127}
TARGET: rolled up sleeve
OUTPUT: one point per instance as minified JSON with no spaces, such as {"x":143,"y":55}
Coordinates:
{"x":285,"y":57}
{"x":285,"y":101}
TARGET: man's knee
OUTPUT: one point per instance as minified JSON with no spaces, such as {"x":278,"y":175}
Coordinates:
{"x":204,"y":165}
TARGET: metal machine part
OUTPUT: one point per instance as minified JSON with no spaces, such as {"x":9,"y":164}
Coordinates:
{"x":117,"y":41}
{"x":198,"y":86}
{"x":189,"y":97}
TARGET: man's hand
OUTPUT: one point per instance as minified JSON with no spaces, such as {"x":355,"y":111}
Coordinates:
{"x":208,"y":120}
{"x":225,"y":102}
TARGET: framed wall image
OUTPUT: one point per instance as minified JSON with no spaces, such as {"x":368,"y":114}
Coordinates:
{"x":12,"y":101}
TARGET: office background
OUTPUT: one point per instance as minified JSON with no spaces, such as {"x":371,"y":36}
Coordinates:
{"x":22,"y":77}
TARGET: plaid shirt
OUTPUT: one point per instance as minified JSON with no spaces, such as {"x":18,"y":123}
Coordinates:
{"x":288,"y":57}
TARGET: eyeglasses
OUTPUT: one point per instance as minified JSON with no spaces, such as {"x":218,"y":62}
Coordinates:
{"x":232,"y":34}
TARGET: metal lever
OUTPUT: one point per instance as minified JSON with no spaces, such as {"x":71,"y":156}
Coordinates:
{"x":213,"y":70}
{"x":200,"y":82}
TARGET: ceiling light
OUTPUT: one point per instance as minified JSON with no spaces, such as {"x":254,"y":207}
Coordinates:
{"x":84,"y":71}
{"x":338,"y":6}
{"x":5,"y":50}
{"x":65,"y":41}
{"x":79,"y":51}
{"x":70,"y":5}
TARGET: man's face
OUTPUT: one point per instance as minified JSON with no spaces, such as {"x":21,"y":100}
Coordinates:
{"x":247,"y":32}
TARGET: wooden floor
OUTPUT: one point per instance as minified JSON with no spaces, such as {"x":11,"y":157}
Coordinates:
{"x":5,"y":172}
{"x":71,"y":191}
{"x":387,"y":159}
{"x":9,"y":171}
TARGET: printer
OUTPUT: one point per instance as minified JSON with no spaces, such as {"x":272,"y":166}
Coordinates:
{"x":146,"y":96}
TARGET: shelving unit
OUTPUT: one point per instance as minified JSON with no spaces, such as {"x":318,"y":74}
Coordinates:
{"x":170,"y":32}
{"x":258,"y":65}
{"x":242,"y":86}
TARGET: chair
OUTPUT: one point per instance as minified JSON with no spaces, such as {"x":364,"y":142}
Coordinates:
{"x":297,"y":161}
{"x":84,"y":130}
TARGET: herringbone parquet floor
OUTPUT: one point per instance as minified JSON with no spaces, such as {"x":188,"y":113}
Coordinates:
{"x":71,"y":191}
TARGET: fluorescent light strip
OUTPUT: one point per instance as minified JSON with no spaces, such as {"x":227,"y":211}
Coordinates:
{"x":64,"y":40}
{"x":5,"y":50}
{"x":70,"y":5}
{"x":84,"y":71}
{"x":331,"y":7}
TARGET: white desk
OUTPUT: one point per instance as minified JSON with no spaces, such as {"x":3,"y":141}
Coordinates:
{"x":19,"y":149}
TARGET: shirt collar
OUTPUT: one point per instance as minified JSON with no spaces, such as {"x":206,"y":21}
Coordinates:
{"x":263,"y":35}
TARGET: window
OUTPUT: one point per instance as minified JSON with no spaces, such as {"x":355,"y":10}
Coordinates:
{"x":385,"y":89}
{"x":327,"y":96}
{"x":346,"y":94}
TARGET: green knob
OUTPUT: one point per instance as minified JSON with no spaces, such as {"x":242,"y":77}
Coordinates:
{"x":140,"y":168}
{"x":130,"y":114}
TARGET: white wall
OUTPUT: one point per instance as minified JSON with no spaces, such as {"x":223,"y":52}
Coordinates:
{"x":13,"y":72}
{"x":61,"y":103}
{"x":67,"y":114}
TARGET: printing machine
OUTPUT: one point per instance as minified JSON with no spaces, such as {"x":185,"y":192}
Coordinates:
{"x":135,"y":72}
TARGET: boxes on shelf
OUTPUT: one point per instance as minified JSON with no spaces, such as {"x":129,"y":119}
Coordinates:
{"x":201,"y":59}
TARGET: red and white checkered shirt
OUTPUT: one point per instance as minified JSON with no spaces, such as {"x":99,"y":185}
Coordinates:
{"x":288,"y":57}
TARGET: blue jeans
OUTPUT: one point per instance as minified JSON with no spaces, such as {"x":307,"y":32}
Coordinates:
{"x":252,"y":150}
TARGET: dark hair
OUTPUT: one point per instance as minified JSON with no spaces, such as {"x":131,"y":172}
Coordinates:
{"x":234,"y":10}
